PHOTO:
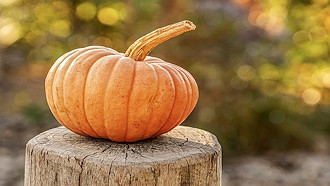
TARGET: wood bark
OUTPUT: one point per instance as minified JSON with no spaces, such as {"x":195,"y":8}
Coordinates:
{"x":183,"y":156}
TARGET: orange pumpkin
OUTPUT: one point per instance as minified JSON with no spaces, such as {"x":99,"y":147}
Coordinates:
{"x":99,"y":92}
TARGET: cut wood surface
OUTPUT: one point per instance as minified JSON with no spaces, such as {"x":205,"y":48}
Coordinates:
{"x":184,"y":156}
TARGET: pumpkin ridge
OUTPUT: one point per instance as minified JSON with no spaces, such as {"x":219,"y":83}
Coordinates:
{"x":72,"y":58}
{"x":104,"y":48}
{"x":74,"y":61}
{"x":193,"y":85}
{"x":191,"y":80}
{"x":172,"y":97}
{"x":153,"y":61}
{"x":56,"y":115}
{"x":106,"y":88}
{"x":175,"y":97}
{"x":191,"y":88}
{"x":84,"y":92}
{"x":128,"y":100}
{"x":153,"y":98}
{"x":188,"y":83}
{"x":186,"y":102}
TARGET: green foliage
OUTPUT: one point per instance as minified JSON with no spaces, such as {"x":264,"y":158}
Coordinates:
{"x":263,"y":67}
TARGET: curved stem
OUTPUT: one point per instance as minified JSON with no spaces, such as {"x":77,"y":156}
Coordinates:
{"x":143,"y":46}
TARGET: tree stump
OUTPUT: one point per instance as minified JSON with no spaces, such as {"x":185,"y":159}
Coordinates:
{"x":183,"y":156}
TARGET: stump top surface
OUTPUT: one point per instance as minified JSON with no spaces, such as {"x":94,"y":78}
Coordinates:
{"x":180,"y":143}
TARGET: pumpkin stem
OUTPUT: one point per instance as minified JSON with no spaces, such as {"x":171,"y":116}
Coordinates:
{"x":143,"y":46}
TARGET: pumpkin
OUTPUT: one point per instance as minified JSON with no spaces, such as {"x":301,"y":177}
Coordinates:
{"x":96,"y":91}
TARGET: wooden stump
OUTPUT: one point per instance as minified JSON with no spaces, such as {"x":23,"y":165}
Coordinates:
{"x":184,"y":156}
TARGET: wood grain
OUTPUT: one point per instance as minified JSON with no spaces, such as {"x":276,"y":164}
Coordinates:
{"x":184,"y":156}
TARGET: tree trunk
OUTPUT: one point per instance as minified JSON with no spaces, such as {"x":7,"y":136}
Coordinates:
{"x":184,"y":156}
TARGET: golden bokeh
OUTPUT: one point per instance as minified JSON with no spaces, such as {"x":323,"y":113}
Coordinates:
{"x":61,"y":28}
{"x":326,"y":80}
{"x":269,"y":72}
{"x":301,"y":38}
{"x":246,"y":72}
{"x":10,"y":31}
{"x":7,"y":2}
{"x":108,"y":16}
{"x":86,"y":11}
{"x":311,"y":96}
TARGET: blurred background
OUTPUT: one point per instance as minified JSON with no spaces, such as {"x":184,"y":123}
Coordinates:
{"x":262,"y":66}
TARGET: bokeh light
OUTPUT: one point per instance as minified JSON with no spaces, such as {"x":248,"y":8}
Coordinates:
{"x":326,"y":80}
{"x":301,"y":38}
{"x":7,"y":2}
{"x":311,"y":96}
{"x":327,"y":23}
{"x":108,"y":16}
{"x":61,"y":28}
{"x":86,"y":11}
{"x":10,"y":31}
{"x":246,"y":72}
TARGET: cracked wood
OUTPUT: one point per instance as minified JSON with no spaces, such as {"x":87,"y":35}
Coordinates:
{"x":184,"y":156}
